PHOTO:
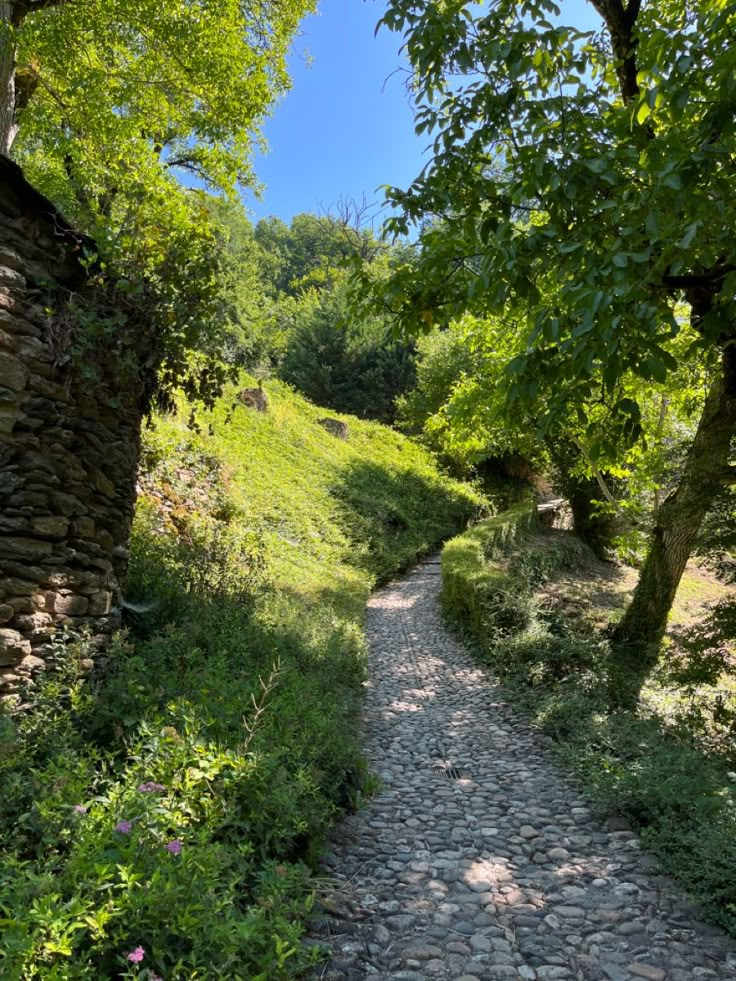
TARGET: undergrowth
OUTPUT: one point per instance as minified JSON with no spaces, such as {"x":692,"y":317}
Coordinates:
{"x":161,"y":816}
{"x":669,"y":772}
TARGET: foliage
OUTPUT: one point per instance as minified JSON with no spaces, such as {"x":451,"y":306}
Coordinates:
{"x":579,"y":204}
{"x":312,"y":250}
{"x":247,"y":335}
{"x":129,"y":110}
{"x":450,"y":408}
{"x":459,"y":409}
{"x":717,"y":543}
{"x":175,"y":801}
{"x":668,"y":770}
{"x":285,"y":310}
{"x":347,"y":364}
{"x":475,"y":592}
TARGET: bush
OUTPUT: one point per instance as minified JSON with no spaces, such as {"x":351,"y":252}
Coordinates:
{"x":480,"y":595}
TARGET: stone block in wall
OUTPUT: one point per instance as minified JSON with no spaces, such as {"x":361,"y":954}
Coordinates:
{"x":35,"y":626}
{"x":30,"y":664}
{"x":22,"y":587}
{"x":68,"y":604}
{"x":50,"y":526}
{"x":67,"y":504}
{"x":30,"y":549}
{"x":13,"y":372}
{"x":100,"y":603}
{"x":13,"y":646}
{"x":9,"y":415}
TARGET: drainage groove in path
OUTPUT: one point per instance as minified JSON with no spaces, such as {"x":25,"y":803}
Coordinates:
{"x":488,"y":865}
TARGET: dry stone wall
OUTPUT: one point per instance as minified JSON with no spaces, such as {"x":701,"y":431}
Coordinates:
{"x":68,"y":444}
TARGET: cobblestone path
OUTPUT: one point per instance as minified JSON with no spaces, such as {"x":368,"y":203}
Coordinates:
{"x":496,"y":870}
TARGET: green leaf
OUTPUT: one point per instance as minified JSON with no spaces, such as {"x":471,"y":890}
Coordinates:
{"x":643,"y":112}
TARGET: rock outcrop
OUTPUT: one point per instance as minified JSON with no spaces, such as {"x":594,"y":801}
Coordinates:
{"x":254,"y":398}
{"x":335,"y":426}
{"x":69,"y":438}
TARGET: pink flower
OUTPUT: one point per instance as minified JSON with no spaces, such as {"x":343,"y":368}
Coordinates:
{"x":149,"y":787}
{"x":137,"y":955}
{"x":80,"y":809}
{"x":174,"y":847}
{"x":124,"y":828}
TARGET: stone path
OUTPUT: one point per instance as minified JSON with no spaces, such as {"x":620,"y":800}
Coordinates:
{"x":498,"y":874}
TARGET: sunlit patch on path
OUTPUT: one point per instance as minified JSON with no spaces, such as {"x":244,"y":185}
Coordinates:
{"x":495,"y":870}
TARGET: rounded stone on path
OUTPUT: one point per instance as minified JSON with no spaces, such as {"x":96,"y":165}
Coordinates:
{"x":527,"y":831}
{"x":480,"y":885}
{"x":515,"y":897}
{"x":435,"y":966}
{"x":464,"y":928}
{"x":422,"y":953}
{"x":647,"y":971}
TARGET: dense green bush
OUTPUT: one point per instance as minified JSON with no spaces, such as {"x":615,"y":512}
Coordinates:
{"x":170,"y":806}
{"x":346,"y":363}
{"x":669,"y":773}
{"x":476,"y":593}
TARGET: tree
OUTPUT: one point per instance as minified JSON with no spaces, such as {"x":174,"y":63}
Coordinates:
{"x":347,"y":363}
{"x":314,"y":248}
{"x":128,"y":115}
{"x":586,"y":182}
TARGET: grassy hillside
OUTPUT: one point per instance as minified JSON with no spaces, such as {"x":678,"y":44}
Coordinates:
{"x":331,"y":515}
{"x":161,"y":818}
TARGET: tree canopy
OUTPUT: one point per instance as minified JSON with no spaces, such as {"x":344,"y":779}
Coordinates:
{"x":581,"y":185}
{"x":584,"y":204}
{"x":129,"y":116}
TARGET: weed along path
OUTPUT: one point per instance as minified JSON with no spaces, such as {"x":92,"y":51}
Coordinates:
{"x":478,"y":859}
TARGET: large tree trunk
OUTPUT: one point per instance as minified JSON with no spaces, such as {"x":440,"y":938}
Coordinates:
{"x":7,"y":77}
{"x":637,"y":638}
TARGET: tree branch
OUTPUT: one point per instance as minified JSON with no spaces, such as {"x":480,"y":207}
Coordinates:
{"x":694,"y":280}
{"x":621,"y":22}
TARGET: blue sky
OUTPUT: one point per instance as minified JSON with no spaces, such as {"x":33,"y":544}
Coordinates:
{"x":346,"y":127}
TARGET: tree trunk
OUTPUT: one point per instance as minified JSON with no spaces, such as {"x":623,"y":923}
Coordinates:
{"x":637,"y":638}
{"x":591,"y":523}
{"x":8,"y":127}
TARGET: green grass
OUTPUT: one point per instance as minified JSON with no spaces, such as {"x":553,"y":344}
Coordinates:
{"x":668,"y":767}
{"x":256,"y":542}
